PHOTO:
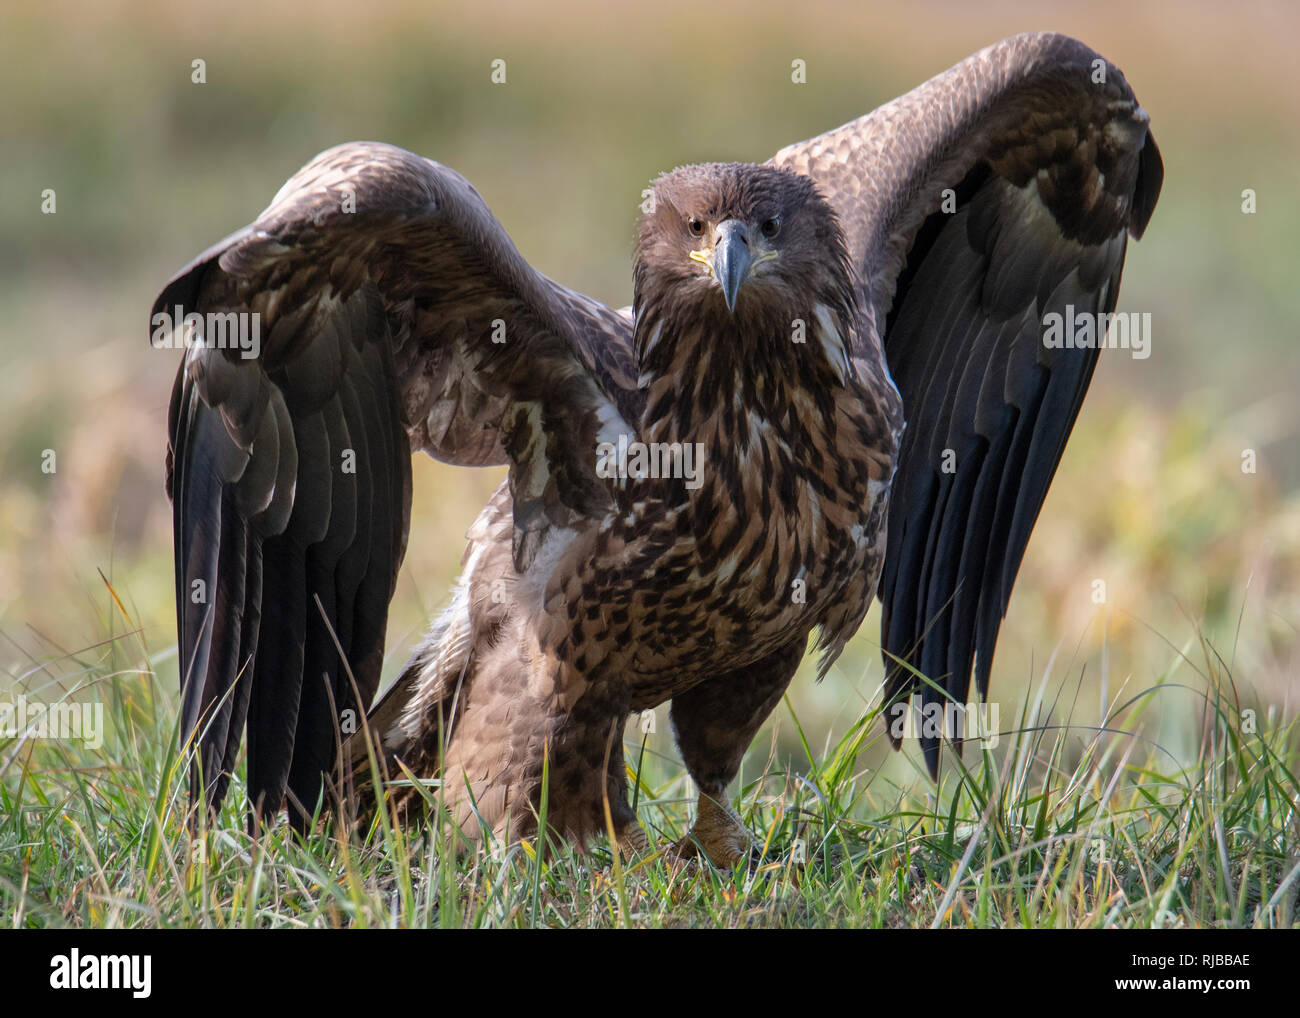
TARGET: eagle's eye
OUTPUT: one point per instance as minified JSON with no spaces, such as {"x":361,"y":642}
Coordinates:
{"x":771,"y":227}
{"x":696,"y":226}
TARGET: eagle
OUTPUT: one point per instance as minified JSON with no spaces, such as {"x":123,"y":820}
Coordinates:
{"x":833,"y":384}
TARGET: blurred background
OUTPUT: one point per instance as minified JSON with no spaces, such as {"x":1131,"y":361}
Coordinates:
{"x":148,"y":168}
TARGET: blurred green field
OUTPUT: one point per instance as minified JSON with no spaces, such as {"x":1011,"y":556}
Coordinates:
{"x":150,"y":168}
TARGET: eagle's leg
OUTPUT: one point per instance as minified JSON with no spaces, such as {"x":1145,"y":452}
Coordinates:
{"x":715,"y":722}
{"x":628,"y":834}
{"x":627,"y":831}
{"x":588,"y":774}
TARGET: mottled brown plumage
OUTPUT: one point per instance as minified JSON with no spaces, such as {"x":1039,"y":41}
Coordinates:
{"x":787,"y":320}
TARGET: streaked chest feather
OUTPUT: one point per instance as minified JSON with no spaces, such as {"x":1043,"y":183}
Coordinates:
{"x":781,"y":519}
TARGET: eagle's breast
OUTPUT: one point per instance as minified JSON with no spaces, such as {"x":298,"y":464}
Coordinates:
{"x":771,"y":532}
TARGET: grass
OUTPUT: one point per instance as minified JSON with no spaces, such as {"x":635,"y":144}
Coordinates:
{"x":1039,"y":832}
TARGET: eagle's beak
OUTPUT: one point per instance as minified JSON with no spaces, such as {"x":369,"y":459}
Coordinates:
{"x":732,"y":259}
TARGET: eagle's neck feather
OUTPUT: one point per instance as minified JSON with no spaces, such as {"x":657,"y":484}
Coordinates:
{"x":728,"y":374}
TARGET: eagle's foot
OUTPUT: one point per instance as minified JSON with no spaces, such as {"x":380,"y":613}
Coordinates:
{"x":632,"y":840}
{"x":719,"y":832}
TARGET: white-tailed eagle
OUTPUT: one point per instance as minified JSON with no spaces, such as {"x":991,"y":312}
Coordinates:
{"x":832,"y":385}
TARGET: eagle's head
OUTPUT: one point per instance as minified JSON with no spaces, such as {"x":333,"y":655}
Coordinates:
{"x":734,"y":252}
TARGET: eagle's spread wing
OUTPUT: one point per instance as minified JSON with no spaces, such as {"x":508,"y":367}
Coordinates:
{"x":994,"y":194}
{"x":393,"y":310}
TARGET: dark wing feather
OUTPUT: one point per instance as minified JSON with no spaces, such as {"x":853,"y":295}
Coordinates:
{"x":382,"y":283}
{"x":1047,"y":169}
